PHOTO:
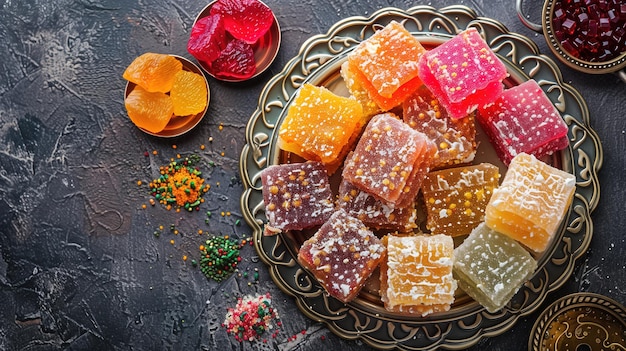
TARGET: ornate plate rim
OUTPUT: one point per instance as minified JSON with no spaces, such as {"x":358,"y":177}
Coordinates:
{"x":355,"y":321}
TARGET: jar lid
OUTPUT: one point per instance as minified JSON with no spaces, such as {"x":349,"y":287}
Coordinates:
{"x":581,"y":322}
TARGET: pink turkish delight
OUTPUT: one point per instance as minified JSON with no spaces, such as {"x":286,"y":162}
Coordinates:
{"x":523,"y":119}
{"x":463,"y":73}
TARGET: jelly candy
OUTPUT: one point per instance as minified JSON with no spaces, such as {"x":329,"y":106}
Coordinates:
{"x":235,"y":61}
{"x":207,"y":39}
{"x":246,"y":20}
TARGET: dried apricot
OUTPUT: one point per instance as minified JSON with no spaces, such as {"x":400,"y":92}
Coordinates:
{"x":246,"y":20}
{"x":153,"y":72}
{"x":189,"y":93}
{"x":149,"y":110}
{"x":235,"y":61}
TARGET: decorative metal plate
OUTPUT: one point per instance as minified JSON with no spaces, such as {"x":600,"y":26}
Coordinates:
{"x":318,"y":62}
{"x":582,"y":321}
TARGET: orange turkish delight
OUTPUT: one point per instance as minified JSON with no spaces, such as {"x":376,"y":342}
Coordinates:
{"x":373,"y":212}
{"x":342,"y":255}
{"x":416,"y":276}
{"x":463,"y":73}
{"x":531,"y":202}
{"x":321,"y":126}
{"x":354,"y":84}
{"x":385,"y":65}
{"x":296,"y":196}
{"x":455,"y":137}
{"x":390,"y":160}
{"x":456,"y":197}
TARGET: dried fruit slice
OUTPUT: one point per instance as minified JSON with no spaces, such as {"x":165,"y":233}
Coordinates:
{"x":247,"y":20}
{"x":149,"y":110}
{"x":235,"y":61}
{"x":153,"y":72}
{"x":189,"y":93}
{"x":208,"y":38}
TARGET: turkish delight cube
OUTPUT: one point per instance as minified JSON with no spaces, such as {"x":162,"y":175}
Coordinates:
{"x":523,"y":119}
{"x":416,"y":276}
{"x":373,"y":212}
{"x":342,"y":255}
{"x":491,"y":267}
{"x":355,"y":84}
{"x":463,"y":73}
{"x":296,"y":196}
{"x":531,"y":202}
{"x":455,"y":138}
{"x":456,"y":198}
{"x":385,"y":65}
{"x":390,"y":160}
{"x":321,"y":126}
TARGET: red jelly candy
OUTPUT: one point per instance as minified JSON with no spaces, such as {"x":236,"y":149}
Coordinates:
{"x":208,"y":38}
{"x":235,"y":61}
{"x":247,"y":20}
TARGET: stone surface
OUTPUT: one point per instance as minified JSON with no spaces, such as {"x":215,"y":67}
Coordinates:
{"x":80,"y":267}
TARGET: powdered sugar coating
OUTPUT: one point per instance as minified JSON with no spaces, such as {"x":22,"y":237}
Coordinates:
{"x":321,"y":126}
{"x":373,"y":212}
{"x":463,"y":73}
{"x":455,"y":138}
{"x":523,"y":119}
{"x":417,"y":275}
{"x":531,"y":202}
{"x":456,"y":197}
{"x":342,"y":254}
{"x":296,"y":196}
{"x":491,"y":267}
{"x":390,"y":160}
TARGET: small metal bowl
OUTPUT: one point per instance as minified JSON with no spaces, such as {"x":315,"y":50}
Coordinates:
{"x":179,"y":125}
{"x":615,"y":65}
{"x":265,"y":49}
{"x":580,"y":321}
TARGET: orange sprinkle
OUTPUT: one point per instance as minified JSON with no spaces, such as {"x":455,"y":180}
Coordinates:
{"x":154,"y":152}
{"x":139,"y":182}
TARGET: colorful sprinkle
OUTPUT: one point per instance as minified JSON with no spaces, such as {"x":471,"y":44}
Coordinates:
{"x":251,"y":317}
{"x":220,"y":257}
{"x":180,"y":184}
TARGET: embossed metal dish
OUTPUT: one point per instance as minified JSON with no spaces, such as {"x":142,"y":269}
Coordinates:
{"x":318,"y":62}
{"x":182,"y":124}
{"x":581,"y":321}
{"x":265,"y":49}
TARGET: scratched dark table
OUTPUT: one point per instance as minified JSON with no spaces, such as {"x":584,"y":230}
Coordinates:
{"x":80,"y":266}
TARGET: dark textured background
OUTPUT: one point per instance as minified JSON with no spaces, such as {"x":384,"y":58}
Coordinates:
{"x":80,"y":268}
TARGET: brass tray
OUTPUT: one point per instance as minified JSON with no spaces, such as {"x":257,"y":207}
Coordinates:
{"x":365,"y":318}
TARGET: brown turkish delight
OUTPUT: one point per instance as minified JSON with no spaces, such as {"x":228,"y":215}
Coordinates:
{"x":296,"y":196}
{"x":390,"y":160}
{"x":456,"y":197}
{"x":373,"y":212}
{"x":342,"y":255}
{"x":455,"y":138}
